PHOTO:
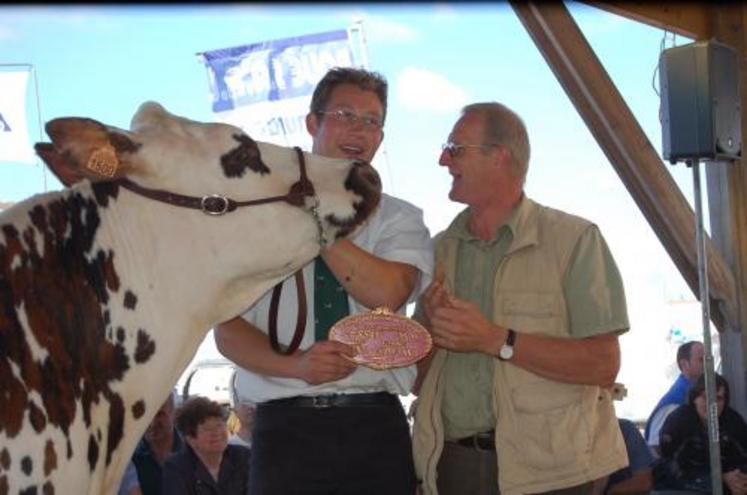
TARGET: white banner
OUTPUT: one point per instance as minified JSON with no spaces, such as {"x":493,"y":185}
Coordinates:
{"x":15,"y":145}
{"x":265,"y":88}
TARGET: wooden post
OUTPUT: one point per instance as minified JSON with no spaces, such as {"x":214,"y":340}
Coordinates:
{"x":628,"y":149}
{"x":727,"y":206}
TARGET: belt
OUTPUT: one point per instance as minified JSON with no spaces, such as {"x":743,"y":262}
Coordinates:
{"x":336,"y":400}
{"x":479,"y":441}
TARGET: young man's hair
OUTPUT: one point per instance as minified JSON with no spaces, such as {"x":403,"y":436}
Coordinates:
{"x":504,"y":127}
{"x":194,"y":412}
{"x":363,"y":79}
{"x":685,"y":351}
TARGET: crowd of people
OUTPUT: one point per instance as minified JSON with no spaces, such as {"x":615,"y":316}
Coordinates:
{"x":525,"y":306}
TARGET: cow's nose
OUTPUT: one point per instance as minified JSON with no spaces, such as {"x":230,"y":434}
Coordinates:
{"x":364,"y":172}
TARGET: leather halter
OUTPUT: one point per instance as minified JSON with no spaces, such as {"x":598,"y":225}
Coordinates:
{"x":217,"y":205}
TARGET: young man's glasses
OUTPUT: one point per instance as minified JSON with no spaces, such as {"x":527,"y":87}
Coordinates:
{"x":454,"y":150}
{"x":350,"y":118}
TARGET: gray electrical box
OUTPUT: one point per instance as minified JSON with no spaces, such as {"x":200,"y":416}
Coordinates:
{"x":700,"y":105}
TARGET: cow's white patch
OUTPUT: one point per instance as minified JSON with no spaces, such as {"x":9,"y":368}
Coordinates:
{"x":38,"y":352}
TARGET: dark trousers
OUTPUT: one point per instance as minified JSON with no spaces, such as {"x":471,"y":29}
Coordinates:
{"x":350,"y":450}
{"x":469,"y":471}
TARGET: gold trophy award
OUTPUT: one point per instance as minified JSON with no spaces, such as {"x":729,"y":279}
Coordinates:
{"x":383,"y":339}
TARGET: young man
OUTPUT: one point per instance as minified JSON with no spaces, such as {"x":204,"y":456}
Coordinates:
{"x":325,"y":425}
{"x":525,"y":314}
{"x":690,"y":362}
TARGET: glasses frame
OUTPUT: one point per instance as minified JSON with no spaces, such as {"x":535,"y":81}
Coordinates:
{"x":350,"y":118}
{"x":455,"y":150}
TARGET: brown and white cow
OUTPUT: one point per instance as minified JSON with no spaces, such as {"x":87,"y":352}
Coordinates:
{"x":107,"y":287}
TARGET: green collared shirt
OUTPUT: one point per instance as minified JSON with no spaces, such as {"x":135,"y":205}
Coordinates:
{"x":467,"y":406}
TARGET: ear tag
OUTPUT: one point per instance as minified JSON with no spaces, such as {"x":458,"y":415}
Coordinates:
{"x":103,"y":161}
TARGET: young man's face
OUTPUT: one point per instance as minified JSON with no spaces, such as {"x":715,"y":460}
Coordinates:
{"x":337,"y":138}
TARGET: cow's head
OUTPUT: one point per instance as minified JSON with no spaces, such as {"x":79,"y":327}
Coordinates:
{"x":166,"y":152}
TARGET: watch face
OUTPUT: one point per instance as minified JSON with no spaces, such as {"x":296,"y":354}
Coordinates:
{"x":507,"y":352}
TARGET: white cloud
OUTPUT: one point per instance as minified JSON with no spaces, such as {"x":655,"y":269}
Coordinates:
{"x":421,"y":89}
{"x":378,"y":29}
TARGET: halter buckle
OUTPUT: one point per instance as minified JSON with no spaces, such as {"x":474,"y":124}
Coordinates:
{"x":214,"y":205}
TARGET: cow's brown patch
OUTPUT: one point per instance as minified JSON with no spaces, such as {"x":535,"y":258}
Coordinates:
{"x":116,"y":426}
{"x":52,"y":267}
{"x":27,"y":465}
{"x":36,"y":416}
{"x":50,"y":458}
{"x":48,"y":488}
{"x":122,"y":143}
{"x":93,"y":452}
{"x":130,"y":300}
{"x":138,"y":409}
{"x":145,"y":347}
{"x":4,"y":485}
{"x":245,"y":156}
{"x":5,"y":459}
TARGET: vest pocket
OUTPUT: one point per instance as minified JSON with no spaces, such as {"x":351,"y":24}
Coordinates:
{"x":550,"y":428}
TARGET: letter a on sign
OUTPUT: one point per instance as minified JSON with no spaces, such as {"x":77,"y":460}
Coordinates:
{"x":15,"y":145}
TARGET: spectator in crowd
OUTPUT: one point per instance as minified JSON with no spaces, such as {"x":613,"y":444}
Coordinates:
{"x":690,"y":362}
{"x":159,"y":441}
{"x":637,"y":478}
{"x":685,"y":461}
{"x":208,"y":465}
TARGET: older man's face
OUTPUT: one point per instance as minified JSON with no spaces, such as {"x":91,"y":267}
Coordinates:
{"x":162,"y":425}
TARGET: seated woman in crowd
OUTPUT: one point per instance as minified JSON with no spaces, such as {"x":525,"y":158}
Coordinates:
{"x":685,"y":463}
{"x":207,"y":465}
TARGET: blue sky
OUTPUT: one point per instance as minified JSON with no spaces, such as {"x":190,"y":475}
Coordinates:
{"x":103,"y":61}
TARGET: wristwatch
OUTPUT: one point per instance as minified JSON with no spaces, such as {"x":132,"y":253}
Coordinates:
{"x":507,"y":350}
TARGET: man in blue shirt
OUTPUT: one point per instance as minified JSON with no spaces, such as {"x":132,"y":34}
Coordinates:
{"x":690,"y":361}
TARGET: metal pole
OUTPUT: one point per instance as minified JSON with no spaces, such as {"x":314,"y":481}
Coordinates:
{"x":714,"y":447}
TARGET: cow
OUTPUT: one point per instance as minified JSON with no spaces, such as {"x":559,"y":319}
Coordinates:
{"x":108,"y":286}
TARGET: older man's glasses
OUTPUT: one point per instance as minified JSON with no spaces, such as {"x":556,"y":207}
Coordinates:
{"x":350,"y":118}
{"x":454,"y":150}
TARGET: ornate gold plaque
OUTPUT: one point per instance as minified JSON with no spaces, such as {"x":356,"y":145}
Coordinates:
{"x":383,"y":339}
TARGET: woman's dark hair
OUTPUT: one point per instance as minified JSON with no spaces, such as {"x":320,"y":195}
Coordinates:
{"x":361,"y":78}
{"x":194,"y":412}
{"x":699,"y":387}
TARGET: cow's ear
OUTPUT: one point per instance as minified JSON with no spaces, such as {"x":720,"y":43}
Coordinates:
{"x":67,"y":173}
{"x":85,"y":149}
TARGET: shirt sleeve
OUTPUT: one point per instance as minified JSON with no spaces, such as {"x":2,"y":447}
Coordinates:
{"x":398,"y":233}
{"x":657,"y":422}
{"x":593,"y":288}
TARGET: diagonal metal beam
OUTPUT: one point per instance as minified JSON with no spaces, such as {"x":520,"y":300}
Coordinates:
{"x":628,"y":149}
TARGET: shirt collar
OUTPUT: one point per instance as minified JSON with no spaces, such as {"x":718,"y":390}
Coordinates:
{"x":459,"y":228}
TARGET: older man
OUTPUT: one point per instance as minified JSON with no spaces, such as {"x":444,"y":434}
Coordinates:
{"x":525,"y":316}
{"x":159,"y":441}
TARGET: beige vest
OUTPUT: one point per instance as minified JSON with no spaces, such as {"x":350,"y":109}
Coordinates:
{"x":550,"y":435}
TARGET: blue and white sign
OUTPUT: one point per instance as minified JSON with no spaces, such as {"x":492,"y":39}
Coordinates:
{"x":265,"y":88}
{"x":15,"y":145}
